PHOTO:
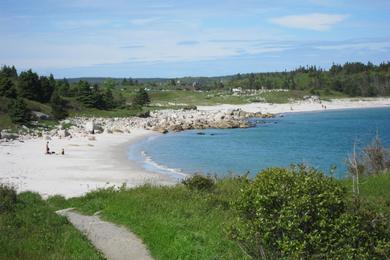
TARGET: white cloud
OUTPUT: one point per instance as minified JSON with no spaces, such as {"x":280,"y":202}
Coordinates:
{"x":314,"y":21}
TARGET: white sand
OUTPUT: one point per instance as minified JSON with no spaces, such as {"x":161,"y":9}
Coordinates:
{"x":86,"y":165}
{"x":305,"y":106}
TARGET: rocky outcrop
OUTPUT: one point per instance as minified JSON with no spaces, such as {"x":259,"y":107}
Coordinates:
{"x":162,"y":121}
{"x":165,"y":121}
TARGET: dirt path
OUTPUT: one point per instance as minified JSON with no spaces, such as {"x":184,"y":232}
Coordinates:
{"x":113,"y":241}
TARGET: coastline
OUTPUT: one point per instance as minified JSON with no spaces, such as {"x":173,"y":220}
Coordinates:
{"x":90,"y":164}
{"x":304,"y":106}
{"x":87,"y":165}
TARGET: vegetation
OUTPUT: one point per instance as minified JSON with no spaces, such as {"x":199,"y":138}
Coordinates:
{"x":174,"y":222}
{"x":129,"y":97}
{"x":141,"y":98}
{"x":299,"y":213}
{"x":18,"y":111}
{"x":30,"y":229}
{"x":289,"y":213}
{"x":199,"y":182}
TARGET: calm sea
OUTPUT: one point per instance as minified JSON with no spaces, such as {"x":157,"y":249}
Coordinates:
{"x":319,"y":139}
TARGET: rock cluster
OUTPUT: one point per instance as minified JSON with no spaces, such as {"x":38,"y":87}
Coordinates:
{"x":165,"y":121}
{"x":162,"y":121}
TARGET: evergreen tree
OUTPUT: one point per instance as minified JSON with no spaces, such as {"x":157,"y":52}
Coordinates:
{"x":18,"y":111}
{"x":58,"y":106}
{"x":29,"y":85}
{"x":47,"y":88}
{"x":85,"y":94}
{"x":141,"y":98}
{"x":9,"y":72}
{"x":7,"y":88}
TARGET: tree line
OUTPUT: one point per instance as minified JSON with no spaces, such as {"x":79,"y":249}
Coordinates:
{"x":28,"y":85}
{"x":352,"y":78}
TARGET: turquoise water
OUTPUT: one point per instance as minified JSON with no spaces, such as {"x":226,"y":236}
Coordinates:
{"x":319,"y":139}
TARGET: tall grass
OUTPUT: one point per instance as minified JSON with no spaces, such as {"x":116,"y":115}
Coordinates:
{"x":31,"y":230}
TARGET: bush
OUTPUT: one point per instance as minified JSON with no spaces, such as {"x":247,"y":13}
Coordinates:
{"x":18,"y":111}
{"x":199,"y":182}
{"x":373,"y":159}
{"x":7,"y":198}
{"x":300,"y":213}
{"x":141,"y":98}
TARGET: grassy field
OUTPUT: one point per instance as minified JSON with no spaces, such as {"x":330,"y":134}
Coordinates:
{"x":174,"y":222}
{"x":33,"y":231}
{"x":376,"y":189}
{"x":178,"y":223}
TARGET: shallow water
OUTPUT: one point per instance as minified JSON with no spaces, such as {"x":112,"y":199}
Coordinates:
{"x":319,"y":139}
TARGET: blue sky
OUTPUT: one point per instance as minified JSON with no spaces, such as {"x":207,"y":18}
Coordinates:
{"x":172,"y":38}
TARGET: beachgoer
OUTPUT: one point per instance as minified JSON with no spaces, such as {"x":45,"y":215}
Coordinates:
{"x":47,"y":148}
{"x":62,"y":151}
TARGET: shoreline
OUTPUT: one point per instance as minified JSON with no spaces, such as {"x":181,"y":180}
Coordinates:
{"x":304,"y":106}
{"x":86,"y":166}
{"x":91,"y":164}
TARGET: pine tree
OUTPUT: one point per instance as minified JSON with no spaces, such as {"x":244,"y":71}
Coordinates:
{"x":141,"y":98}
{"x":58,"y":106}
{"x":7,"y":88}
{"x":18,"y":111}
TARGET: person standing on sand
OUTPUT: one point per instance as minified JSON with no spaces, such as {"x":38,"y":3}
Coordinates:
{"x":47,"y":148}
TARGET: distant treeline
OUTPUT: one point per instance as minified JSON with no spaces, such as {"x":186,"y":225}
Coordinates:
{"x":352,"y":78}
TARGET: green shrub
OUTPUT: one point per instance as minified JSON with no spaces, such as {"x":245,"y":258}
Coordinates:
{"x":7,"y":198}
{"x":199,"y":182}
{"x":300,"y":213}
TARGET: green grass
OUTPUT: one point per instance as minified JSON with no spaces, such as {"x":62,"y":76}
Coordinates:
{"x":34,"y":231}
{"x":376,"y":189}
{"x":174,"y":222}
{"x":178,"y":223}
{"x":179,"y":97}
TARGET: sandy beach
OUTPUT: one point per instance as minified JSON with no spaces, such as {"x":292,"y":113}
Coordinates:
{"x":305,"y":106}
{"x":86,"y":165}
{"x":91,"y":164}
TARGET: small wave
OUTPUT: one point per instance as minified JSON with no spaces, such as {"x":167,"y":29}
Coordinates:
{"x":150,"y":164}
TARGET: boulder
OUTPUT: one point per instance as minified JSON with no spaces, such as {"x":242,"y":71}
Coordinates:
{"x":9,"y":136}
{"x":40,"y":115}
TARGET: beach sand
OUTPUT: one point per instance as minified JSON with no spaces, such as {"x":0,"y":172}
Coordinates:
{"x":86,"y":165}
{"x":305,"y":106}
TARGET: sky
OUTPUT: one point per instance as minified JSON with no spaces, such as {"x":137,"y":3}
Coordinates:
{"x":174,"y":38}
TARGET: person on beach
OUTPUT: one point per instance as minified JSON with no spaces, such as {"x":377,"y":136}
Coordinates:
{"x":62,"y":151}
{"x":47,"y":148}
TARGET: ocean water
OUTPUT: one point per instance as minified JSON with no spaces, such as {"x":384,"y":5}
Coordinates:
{"x":319,"y":139}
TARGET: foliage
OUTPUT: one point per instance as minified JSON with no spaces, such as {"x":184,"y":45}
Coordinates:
{"x":18,"y":111}
{"x":7,"y":87}
{"x":199,"y":182}
{"x":8,"y":72}
{"x":141,"y":98}
{"x":32,"y":230}
{"x":58,"y":106}
{"x":300,"y":213}
{"x":373,"y":159}
{"x":7,"y":198}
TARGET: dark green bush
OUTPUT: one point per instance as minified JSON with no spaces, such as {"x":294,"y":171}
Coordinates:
{"x":300,"y":213}
{"x":199,"y":182}
{"x":7,"y":198}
